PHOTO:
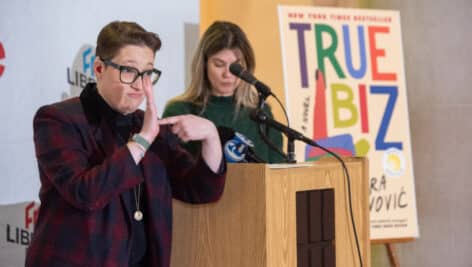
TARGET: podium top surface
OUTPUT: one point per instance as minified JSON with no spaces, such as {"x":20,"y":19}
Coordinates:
{"x":324,"y":162}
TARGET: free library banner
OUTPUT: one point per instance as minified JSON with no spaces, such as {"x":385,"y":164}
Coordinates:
{"x":345,"y":88}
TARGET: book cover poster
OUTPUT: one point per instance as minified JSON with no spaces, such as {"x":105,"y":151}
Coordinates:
{"x":344,"y":80}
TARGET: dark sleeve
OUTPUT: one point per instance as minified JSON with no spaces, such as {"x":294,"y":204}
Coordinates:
{"x":190,"y":177}
{"x":84,"y":177}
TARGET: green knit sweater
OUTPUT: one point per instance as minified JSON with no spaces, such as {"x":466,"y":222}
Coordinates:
{"x":221,"y":110}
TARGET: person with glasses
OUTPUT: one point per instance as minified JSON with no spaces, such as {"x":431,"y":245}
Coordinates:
{"x":216,"y":94}
{"x":109,"y":171}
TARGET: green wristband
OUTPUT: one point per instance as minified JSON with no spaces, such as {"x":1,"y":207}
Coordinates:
{"x":141,"y":141}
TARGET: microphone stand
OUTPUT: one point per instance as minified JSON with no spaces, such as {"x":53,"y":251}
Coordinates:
{"x":259,"y":116}
{"x":263,"y":135}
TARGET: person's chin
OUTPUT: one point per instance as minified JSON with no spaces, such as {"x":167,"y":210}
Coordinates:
{"x":129,"y":108}
{"x":224,"y":92}
{"x":135,"y":101}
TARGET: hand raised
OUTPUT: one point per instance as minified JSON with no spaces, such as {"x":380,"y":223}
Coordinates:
{"x":150,"y":128}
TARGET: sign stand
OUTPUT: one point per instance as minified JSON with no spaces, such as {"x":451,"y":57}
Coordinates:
{"x":392,"y":254}
{"x":391,"y":249}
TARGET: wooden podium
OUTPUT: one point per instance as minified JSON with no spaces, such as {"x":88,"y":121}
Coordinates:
{"x":254,"y":224}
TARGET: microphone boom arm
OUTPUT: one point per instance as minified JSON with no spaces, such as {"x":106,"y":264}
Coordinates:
{"x":259,"y":116}
{"x":270,"y":144}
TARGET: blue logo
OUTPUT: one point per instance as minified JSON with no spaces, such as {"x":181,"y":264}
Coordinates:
{"x":235,"y":151}
{"x":81,"y":71}
{"x":87,"y":61}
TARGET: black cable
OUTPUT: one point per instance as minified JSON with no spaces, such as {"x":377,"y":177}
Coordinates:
{"x":290,"y":156}
{"x":313,"y":143}
{"x":269,"y":143}
{"x":283,"y":109}
{"x":263,"y":135}
{"x":348,"y":178}
{"x":259,"y":116}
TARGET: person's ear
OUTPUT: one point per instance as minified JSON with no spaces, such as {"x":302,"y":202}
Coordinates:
{"x":98,"y":68}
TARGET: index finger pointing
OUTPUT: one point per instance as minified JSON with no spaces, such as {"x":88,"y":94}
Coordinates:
{"x":169,"y":120}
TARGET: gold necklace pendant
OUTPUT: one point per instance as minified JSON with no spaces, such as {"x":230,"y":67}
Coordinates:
{"x":138,"y":215}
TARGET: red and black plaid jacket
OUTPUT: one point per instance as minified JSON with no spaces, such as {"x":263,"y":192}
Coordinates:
{"x":83,"y":219}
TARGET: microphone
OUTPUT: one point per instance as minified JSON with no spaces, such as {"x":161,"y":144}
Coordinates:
{"x":237,"y":147}
{"x":237,"y":70}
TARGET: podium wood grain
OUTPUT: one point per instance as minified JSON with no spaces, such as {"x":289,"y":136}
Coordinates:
{"x":254,"y":223}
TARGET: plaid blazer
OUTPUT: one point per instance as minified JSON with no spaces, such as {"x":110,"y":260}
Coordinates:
{"x":83,"y":219}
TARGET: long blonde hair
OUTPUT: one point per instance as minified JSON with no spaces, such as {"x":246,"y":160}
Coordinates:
{"x":220,"y":35}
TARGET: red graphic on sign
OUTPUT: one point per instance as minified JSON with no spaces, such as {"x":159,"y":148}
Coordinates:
{"x":31,"y":214}
{"x":319,"y":113}
{"x":2,"y":56}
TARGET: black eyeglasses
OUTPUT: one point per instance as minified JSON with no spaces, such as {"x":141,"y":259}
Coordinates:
{"x":128,"y":75}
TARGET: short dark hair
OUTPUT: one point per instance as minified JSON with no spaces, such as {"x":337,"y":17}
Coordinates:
{"x":117,"y":34}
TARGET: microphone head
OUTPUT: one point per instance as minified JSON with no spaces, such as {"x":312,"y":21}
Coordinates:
{"x":243,"y":139}
{"x":235,"y":151}
{"x":236,"y":146}
{"x":236,"y":69}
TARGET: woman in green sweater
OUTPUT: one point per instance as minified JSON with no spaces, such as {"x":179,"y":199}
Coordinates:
{"x":215,"y":94}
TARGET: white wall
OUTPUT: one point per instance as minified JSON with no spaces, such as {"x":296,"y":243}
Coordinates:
{"x":438,"y":60}
{"x":41,"y":39}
